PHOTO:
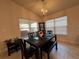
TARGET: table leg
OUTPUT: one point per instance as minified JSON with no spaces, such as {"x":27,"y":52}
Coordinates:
{"x":41,"y":53}
{"x":37,"y":54}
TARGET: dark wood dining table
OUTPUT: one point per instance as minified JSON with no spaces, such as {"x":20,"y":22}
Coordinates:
{"x":39,"y":42}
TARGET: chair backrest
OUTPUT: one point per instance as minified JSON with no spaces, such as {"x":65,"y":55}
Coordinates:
{"x":30,"y":35}
{"x":49,"y":33}
{"x":23,"y":48}
{"x":9,"y":42}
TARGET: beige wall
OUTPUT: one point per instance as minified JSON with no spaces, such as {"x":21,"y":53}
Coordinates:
{"x":73,"y":24}
{"x":9,"y":20}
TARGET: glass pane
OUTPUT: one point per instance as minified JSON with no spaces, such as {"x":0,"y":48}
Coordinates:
{"x":24,"y":27}
{"x":62,"y":21}
{"x":50,"y":25}
{"x":61,"y":30}
{"x":34,"y":27}
{"x":61,"y":25}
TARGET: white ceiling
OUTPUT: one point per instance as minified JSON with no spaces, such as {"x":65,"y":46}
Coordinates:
{"x":52,"y":5}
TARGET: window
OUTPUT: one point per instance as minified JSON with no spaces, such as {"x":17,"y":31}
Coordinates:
{"x":57,"y":25}
{"x":24,"y":27}
{"x":50,"y":25}
{"x":34,"y":27}
{"x":23,"y":24}
{"x":61,"y":25}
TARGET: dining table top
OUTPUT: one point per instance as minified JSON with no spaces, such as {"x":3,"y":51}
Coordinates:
{"x":38,"y":42}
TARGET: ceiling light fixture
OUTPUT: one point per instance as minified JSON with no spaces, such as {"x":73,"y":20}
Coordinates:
{"x":44,"y":7}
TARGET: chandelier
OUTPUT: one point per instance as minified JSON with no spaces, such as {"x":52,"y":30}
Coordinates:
{"x":44,"y":7}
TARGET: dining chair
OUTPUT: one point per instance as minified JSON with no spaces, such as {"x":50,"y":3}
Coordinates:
{"x":47,"y":47}
{"x":28,"y":52}
{"x":30,"y":35}
{"x":49,"y":33}
{"x":12,"y":46}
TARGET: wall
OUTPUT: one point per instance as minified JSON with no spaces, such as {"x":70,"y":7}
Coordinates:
{"x":9,"y":20}
{"x":73,"y":24}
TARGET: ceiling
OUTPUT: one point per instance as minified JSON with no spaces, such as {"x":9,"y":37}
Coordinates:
{"x":52,"y":5}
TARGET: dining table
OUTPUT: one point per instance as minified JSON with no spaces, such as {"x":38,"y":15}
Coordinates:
{"x":39,"y":42}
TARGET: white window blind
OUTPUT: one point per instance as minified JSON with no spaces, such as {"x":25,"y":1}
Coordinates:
{"x":34,"y":27}
{"x":24,"y":27}
{"x":50,"y":25}
{"x":57,"y":25}
{"x":61,"y":25}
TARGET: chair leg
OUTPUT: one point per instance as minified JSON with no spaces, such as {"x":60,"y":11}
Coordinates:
{"x":48,"y":55}
{"x":22,"y":56}
{"x":56,"y":46}
{"x":37,"y":54}
{"x":9,"y":52}
{"x":41,"y":53}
